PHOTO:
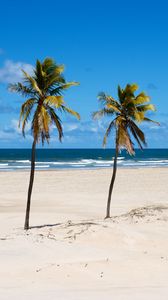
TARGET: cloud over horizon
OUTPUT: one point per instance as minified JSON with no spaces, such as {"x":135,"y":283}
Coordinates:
{"x":11,"y":71}
{"x":85,"y":134}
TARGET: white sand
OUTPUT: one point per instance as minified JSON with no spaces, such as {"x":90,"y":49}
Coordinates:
{"x":83,"y":256}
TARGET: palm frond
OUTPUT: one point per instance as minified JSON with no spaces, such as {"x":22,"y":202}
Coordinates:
{"x":70,"y":111}
{"x":56,"y":120}
{"x":36,"y":124}
{"x":46,"y":121}
{"x":44,"y":88}
{"x":137,"y":133}
{"x":120,"y":94}
{"x":124,"y":139}
{"x":136,"y":137}
{"x":138,"y":116}
{"x":109,"y":102}
{"x":102,"y":97}
{"x":51,"y":67}
{"x":141,"y":99}
{"x":101,"y":113}
{"x":128,"y":109}
{"x":22,"y":89}
{"x":60,"y":89}
{"x":25,"y":111}
{"x":149,"y":120}
{"x":55,"y":101}
{"x":32,"y":82}
{"x":52,"y":81}
{"x":146,"y":107}
{"x":48,"y":64}
{"x":40,"y":124}
{"x":108,"y":131}
{"x":131,"y":88}
{"x":127,"y":95}
{"x":113,"y":107}
{"x":40,"y":75}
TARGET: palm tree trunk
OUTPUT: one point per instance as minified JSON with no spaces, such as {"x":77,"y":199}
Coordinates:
{"x":26,"y":226}
{"x":112,"y":182}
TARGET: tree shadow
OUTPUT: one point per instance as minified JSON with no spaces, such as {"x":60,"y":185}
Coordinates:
{"x":45,"y":225}
{"x":68,"y":224}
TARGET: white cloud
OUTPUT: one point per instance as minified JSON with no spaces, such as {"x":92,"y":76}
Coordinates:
{"x":80,"y":134}
{"x":14,"y":139}
{"x":83,"y":127}
{"x":70,"y":126}
{"x":14,"y":128}
{"x":12,"y":135}
{"x":11,"y":71}
{"x":6,"y":136}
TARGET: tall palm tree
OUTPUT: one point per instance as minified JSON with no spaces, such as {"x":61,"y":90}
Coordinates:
{"x":126,"y":112}
{"x":44,"y":92}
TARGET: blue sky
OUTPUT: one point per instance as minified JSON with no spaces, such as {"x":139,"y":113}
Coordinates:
{"x":102,"y":44}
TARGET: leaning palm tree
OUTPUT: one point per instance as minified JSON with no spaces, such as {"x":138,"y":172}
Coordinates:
{"x":44,"y":92}
{"x":126,"y":112}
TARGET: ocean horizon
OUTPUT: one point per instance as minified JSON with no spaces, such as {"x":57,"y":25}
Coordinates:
{"x":52,"y":159}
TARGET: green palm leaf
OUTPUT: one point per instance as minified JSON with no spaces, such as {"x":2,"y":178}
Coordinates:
{"x":22,"y":89}
{"x":25,"y":112}
{"x":32,"y":83}
{"x":127,"y":109}
{"x":60,"y":89}
{"x":45,"y":88}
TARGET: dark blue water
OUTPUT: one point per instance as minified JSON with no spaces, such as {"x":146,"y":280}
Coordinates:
{"x":19,"y":159}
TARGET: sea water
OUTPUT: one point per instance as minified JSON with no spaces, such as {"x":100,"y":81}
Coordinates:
{"x":50,"y":159}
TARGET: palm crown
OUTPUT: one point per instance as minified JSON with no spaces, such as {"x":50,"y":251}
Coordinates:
{"x":44,"y":91}
{"x":126,"y":111}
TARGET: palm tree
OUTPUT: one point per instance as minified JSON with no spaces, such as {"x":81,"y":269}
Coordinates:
{"x":44,"y":92}
{"x":126,"y":112}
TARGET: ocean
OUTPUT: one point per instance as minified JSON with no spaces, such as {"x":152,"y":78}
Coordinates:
{"x":50,"y":159}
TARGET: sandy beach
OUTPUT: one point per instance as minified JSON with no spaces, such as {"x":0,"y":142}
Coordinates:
{"x":71,"y":252}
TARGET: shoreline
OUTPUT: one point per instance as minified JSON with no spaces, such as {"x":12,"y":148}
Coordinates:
{"x":86,"y":169}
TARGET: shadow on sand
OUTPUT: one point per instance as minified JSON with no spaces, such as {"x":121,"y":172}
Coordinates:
{"x":45,"y":225}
